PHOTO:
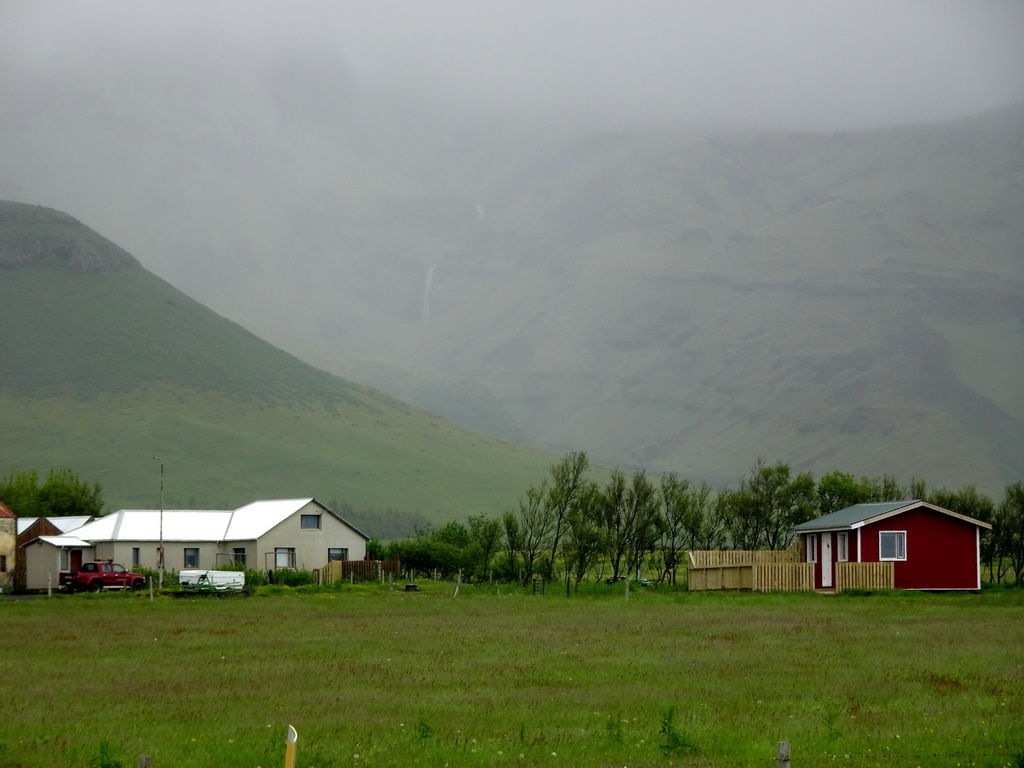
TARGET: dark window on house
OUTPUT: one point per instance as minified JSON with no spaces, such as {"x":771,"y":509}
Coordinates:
{"x":892,"y":545}
{"x":843,"y":545}
{"x":337,"y":554}
{"x":191,"y":557}
{"x":136,"y":556}
{"x":310,"y":521}
{"x":238,"y":555}
{"x":284,"y":557}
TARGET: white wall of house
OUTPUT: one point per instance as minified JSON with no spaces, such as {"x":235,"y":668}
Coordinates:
{"x":123,"y":552}
{"x":310,"y":545}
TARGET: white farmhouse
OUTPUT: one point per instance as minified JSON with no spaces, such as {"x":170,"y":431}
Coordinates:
{"x":301,"y":534}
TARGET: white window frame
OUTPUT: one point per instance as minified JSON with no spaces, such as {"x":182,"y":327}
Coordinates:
{"x":899,"y":545}
{"x":842,"y":547}
{"x":284,"y":557}
{"x":812,"y":548}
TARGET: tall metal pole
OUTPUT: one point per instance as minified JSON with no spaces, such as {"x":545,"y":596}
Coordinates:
{"x":160,"y":560}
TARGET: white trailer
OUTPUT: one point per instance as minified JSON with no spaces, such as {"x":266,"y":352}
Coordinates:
{"x":212,"y":581}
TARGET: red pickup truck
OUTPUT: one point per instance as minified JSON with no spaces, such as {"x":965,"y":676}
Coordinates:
{"x":100,"y":575}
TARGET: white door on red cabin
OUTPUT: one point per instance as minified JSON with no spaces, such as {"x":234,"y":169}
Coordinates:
{"x":826,"y":560}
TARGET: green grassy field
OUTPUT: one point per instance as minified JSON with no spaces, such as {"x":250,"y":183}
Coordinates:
{"x":494,"y":677}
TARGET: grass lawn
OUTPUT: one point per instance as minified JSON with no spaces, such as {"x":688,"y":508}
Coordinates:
{"x":376,"y":678}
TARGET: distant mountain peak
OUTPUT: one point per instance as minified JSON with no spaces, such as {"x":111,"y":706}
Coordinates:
{"x":30,"y":233}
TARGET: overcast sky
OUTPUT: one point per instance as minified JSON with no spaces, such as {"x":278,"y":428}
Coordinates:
{"x":802,"y":63}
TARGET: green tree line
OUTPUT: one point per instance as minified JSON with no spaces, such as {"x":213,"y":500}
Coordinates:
{"x":61,"y":494}
{"x":569,"y":526}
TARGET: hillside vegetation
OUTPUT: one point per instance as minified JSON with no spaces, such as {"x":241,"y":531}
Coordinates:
{"x":108,"y":366}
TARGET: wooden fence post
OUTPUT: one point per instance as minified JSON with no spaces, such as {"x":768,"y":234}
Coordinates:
{"x":783,"y":760}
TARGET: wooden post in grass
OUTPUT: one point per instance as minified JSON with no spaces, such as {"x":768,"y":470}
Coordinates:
{"x":289,"y":750}
{"x":783,"y":760}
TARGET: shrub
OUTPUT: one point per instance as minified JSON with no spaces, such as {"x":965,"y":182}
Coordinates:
{"x":288,"y":578}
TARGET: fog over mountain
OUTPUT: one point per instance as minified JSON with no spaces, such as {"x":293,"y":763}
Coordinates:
{"x":793,"y":63}
{"x":680,"y":235}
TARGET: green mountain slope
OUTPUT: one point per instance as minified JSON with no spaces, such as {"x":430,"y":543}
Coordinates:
{"x":106,"y":366}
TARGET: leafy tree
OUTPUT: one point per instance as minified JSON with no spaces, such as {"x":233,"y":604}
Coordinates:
{"x":629,"y":514}
{"x":585,"y":540}
{"x":513,"y":540}
{"x":567,"y":483}
{"x":452,"y":533}
{"x":768,"y":504}
{"x":689,"y":521}
{"x":62,"y":494}
{"x":741,"y":516}
{"x":884,"y":488}
{"x":536,"y":528}
{"x":839,"y":490}
{"x":1011,"y":523}
{"x":374,"y":549}
{"x":485,"y":533}
{"x":643,"y":507}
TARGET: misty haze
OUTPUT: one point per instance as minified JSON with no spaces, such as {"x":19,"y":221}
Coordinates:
{"x":676,"y":235}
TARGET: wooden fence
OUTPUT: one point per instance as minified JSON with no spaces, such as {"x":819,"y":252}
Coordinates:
{"x":361,"y":570}
{"x":864,"y":576}
{"x":757,"y":570}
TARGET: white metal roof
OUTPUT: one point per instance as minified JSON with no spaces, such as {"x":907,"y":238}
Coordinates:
{"x":255,"y":519}
{"x":144,"y":525}
{"x":64,"y":541}
{"x":243,"y":524}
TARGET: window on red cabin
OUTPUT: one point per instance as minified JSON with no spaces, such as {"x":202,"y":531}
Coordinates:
{"x":812,"y":548}
{"x":843,"y":545}
{"x":892,"y":545}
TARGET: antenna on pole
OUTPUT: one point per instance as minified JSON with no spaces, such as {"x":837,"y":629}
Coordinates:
{"x":160,"y":554}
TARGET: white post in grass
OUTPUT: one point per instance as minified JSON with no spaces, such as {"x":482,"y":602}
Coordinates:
{"x":289,"y":750}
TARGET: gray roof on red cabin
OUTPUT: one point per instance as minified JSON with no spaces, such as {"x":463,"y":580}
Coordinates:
{"x":862,"y":514}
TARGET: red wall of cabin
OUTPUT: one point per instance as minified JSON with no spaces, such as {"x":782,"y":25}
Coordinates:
{"x":942,"y":551}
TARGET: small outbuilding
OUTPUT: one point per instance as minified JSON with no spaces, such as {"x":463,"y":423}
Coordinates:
{"x":929,"y":547}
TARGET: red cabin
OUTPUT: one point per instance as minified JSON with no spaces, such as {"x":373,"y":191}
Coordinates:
{"x":929,"y":547}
